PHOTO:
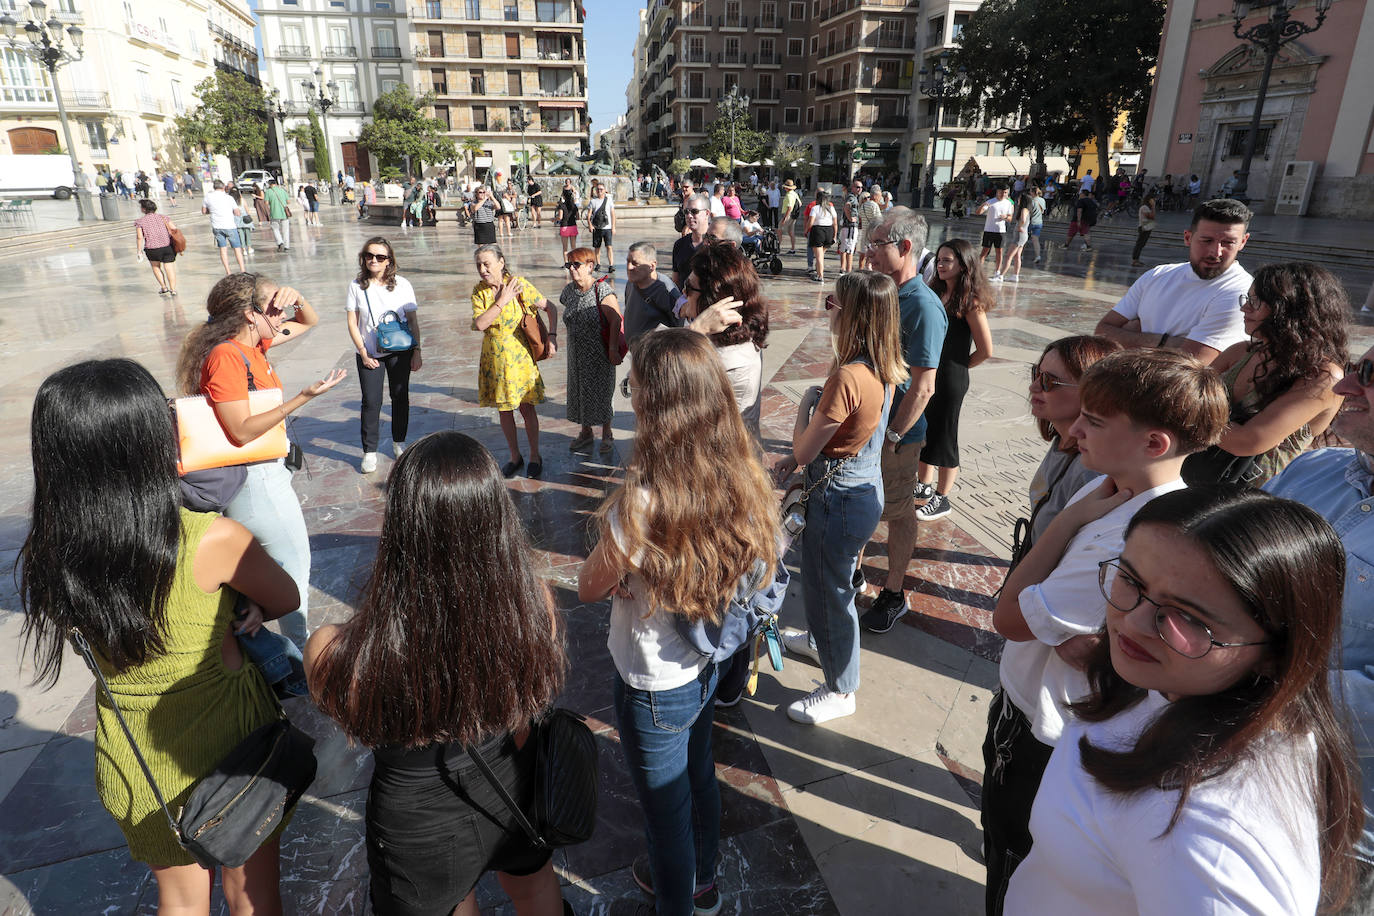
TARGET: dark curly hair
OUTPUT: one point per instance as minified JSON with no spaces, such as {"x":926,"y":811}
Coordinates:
{"x":1306,"y":328}
{"x":724,"y":272}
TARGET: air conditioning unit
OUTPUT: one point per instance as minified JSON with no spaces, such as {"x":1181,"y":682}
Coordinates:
{"x":1295,"y":190}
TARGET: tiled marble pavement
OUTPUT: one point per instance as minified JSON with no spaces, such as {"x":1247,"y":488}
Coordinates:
{"x":866,"y":816}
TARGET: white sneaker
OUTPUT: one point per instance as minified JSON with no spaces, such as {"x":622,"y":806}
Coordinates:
{"x":798,"y":642}
{"x":397,"y":448}
{"x":1014,"y":278}
{"x":995,"y":278}
{"x":369,"y":462}
{"x":821,"y":705}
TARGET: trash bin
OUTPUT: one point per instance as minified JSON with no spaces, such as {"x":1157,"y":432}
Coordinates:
{"x":109,"y":206}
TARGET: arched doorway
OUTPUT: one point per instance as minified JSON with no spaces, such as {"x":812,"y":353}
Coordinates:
{"x":355,"y":160}
{"x":32,"y":140}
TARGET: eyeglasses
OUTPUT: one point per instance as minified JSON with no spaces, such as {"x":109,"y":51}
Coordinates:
{"x":1362,"y":370}
{"x":1047,"y":382}
{"x":878,"y":243}
{"x":1178,"y":629}
{"x":626,"y":388}
{"x":1249,"y":303}
{"x":370,"y":256}
{"x":690,"y":288}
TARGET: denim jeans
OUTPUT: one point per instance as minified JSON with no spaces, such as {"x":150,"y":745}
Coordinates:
{"x":268,"y":507}
{"x":666,"y":738}
{"x":277,"y":657}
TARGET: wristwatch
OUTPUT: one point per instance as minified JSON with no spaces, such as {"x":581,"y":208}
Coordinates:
{"x":894,"y":436}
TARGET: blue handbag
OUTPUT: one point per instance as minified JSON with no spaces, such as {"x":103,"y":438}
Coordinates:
{"x":393,"y":334}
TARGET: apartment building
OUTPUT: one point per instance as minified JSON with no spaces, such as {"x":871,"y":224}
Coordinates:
{"x":494,"y":65}
{"x":361,"y":46}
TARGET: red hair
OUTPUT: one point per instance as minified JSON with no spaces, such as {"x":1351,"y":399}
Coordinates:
{"x":725,"y":272}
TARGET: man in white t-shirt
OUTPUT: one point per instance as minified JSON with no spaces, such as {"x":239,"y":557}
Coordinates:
{"x":1087,"y":182}
{"x":1195,"y":306}
{"x":224,"y":224}
{"x":999,"y":210}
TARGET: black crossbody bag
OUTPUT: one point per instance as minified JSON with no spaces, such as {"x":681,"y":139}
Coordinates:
{"x":230,"y":812}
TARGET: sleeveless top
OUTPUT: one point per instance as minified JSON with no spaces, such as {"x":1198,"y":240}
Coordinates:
{"x":185,"y":708}
{"x":1277,"y":458}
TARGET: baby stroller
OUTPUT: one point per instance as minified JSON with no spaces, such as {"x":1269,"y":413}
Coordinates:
{"x":763,"y":250}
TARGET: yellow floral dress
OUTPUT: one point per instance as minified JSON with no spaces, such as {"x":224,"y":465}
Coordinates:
{"x":507,"y":376}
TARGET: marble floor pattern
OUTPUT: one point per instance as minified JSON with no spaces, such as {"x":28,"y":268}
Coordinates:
{"x":864,"y":816}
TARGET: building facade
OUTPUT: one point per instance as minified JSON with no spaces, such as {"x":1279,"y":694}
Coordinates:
{"x":494,"y":65}
{"x":1319,"y":108}
{"x":361,"y":46}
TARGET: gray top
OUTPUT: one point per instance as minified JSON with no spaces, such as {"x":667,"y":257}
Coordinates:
{"x":1059,"y":476}
{"x":650,"y":308}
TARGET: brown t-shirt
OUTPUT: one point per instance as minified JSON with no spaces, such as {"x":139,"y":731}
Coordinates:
{"x":853,"y":396}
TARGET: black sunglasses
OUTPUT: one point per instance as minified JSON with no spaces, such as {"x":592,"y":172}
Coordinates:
{"x":1362,"y":370}
{"x":370,"y":256}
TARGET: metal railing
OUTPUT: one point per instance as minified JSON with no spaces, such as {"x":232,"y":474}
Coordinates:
{"x":387,"y":52}
{"x":341,"y":51}
{"x":293,"y":50}
{"x":836,"y":7}
{"x":84,"y":99}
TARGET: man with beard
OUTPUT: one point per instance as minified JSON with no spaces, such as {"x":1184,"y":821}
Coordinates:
{"x":1190,"y":307}
{"x":1338,"y":483}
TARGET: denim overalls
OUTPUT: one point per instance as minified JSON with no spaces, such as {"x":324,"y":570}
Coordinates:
{"x":841,"y":515}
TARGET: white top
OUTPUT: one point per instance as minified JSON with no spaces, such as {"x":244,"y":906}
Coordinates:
{"x":596,"y":204}
{"x":374,"y":302}
{"x":1172,"y":299}
{"x":997,"y":209}
{"x":1068,"y":603}
{"x":1086,"y":184}
{"x":648,"y":651}
{"x":823,"y":214}
{"x":744,"y":366}
{"x":717,"y":206}
{"x":774,"y":197}
{"x":750,"y":227}
{"x":221,"y":208}
{"x":1245,"y":843}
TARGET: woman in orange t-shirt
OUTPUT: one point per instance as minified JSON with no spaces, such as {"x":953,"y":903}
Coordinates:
{"x":224,"y":359}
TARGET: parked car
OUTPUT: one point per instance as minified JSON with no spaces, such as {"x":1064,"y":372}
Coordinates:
{"x":251,"y":177}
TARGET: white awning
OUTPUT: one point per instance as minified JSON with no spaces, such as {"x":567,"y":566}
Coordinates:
{"x":1021,"y":165}
{"x":1127,"y":159}
{"x":1058,"y":164}
{"x":699,"y":163}
{"x":993,"y":166}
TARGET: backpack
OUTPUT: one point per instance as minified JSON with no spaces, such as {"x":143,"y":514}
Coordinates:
{"x":680,"y":218}
{"x":599,"y":217}
{"x":753,"y":612}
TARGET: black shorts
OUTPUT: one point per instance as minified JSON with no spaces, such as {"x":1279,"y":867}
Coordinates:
{"x":165,"y":255}
{"x":601,"y":237}
{"x":484,"y":233}
{"x":992,"y":239}
{"x":821,"y":236}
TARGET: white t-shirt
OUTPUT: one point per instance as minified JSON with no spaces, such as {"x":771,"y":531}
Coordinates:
{"x":1172,"y":299}
{"x":823,"y":215}
{"x":744,"y":366}
{"x":750,"y":227}
{"x":648,"y":651}
{"x":221,"y":208}
{"x":596,"y":204}
{"x":1246,"y":842}
{"x":997,"y":209}
{"x":374,"y":302}
{"x":717,"y":206}
{"x":1068,"y":603}
{"x":1087,"y":182}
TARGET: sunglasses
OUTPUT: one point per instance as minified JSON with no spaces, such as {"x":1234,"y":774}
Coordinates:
{"x":369,"y":256}
{"x":573,"y":265}
{"x":1046,"y":382}
{"x":831,"y":303}
{"x":626,"y":388}
{"x":1363,"y":371}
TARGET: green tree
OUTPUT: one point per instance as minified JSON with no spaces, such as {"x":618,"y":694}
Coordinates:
{"x":230,"y":119}
{"x":750,"y":144}
{"x":679,"y":167}
{"x":321,"y":148}
{"x":193,"y":132}
{"x":545,"y":153}
{"x":471,"y":148}
{"x":790,"y":156}
{"x":401,"y":131}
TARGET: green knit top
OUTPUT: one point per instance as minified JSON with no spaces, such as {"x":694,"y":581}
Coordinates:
{"x":186,"y":710}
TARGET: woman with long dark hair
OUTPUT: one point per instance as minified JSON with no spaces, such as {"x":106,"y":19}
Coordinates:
{"x":1018,"y":233}
{"x":821,"y":221}
{"x":565,"y":217}
{"x":152,"y":588}
{"x":224,"y":359}
{"x":673,"y":551}
{"x":376,"y":291}
{"x":429,"y":665}
{"x":723,"y":273}
{"x":1279,"y":380}
{"x":1208,"y":769}
{"x":963,"y":289}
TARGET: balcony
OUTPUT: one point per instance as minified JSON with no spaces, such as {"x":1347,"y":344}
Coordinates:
{"x":882,"y":121}
{"x":385,"y":52}
{"x":696,"y":57}
{"x":774,"y":23}
{"x":84,"y":99}
{"x":732,"y":22}
{"x":766,"y":95}
{"x":347,"y":108}
{"x":836,"y":7}
{"x":152,"y":105}
{"x":732,"y":58}
{"x":696,"y":20}
{"x":301,"y":51}
{"x":341,"y":51}
{"x":768,"y":60}
{"x":891,"y":81}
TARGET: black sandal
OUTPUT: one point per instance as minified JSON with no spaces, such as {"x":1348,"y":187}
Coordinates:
{"x":510,"y":467}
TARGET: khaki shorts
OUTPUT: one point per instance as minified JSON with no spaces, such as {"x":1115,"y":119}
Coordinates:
{"x":899,"y":480}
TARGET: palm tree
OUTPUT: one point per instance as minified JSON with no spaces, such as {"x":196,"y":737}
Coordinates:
{"x":472,"y":148}
{"x":545,"y":153}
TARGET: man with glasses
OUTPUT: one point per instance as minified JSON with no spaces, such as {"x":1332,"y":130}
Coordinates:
{"x":1190,"y":306}
{"x":1338,"y":483}
{"x":680,"y":217}
{"x":698,"y":214}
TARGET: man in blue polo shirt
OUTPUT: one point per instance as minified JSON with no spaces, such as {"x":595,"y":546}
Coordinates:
{"x":893,"y":248}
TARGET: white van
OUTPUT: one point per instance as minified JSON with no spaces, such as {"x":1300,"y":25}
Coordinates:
{"x":41,"y":175}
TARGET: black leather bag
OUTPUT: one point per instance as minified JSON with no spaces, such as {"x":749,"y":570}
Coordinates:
{"x":230,"y":812}
{"x":565,"y":792}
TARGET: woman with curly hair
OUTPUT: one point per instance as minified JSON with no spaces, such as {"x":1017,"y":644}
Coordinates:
{"x":1279,"y":380}
{"x":672,"y":552}
{"x":721,"y":272}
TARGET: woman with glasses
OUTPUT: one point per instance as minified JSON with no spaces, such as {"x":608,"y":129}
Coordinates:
{"x":591,"y":374}
{"x":839,"y":438}
{"x":963,"y":290}
{"x":482,"y":211}
{"x":671,"y":552}
{"x":1280,"y":379}
{"x":820,"y":232}
{"x":373,"y":295}
{"x":1208,"y":769}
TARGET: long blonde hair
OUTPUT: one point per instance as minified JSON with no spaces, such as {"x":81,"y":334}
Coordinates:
{"x":697,"y":508}
{"x":869,"y":325}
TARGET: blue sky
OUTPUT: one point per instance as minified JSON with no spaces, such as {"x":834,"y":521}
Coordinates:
{"x":610,"y":35}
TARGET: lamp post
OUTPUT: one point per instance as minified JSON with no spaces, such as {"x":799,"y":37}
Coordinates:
{"x":46,"y":45}
{"x":279,"y":112}
{"x":732,"y":105}
{"x":1269,"y":37}
{"x":939,"y":84}
{"x":521,"y":120}
{"x":324,"y":101}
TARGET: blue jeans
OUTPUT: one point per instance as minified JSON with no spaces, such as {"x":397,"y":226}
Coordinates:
{"x":666,"y":738}
{"x":268,"y":507}
{"x":841,"y":516}
{"x":278,"y":659}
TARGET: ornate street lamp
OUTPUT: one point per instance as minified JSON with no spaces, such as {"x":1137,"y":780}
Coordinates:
{"x":47,"y":46}
{"x":520,"y":121}
{"x":324,"y":100}
{"x":278,"y":111}
{"x":1268,"y":37}
{"x":939,"y":84}
{"x":733,"y":105}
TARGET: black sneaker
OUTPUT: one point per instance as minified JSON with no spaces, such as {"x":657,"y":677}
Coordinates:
{"x":706,"y":901}
{"x":888,"y":608}
{"x":923,"y":491}
{"x":938,"y":507}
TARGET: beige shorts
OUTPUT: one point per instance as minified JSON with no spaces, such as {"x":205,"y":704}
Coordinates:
{"x":899,"y":480}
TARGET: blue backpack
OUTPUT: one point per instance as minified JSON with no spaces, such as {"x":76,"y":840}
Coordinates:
{"x":750,"y":615}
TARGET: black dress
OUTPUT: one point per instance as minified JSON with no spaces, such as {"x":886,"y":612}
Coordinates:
{"x":951,"y":384}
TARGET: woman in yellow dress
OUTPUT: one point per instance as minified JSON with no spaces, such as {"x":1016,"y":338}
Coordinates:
{"x":508,"y":378}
